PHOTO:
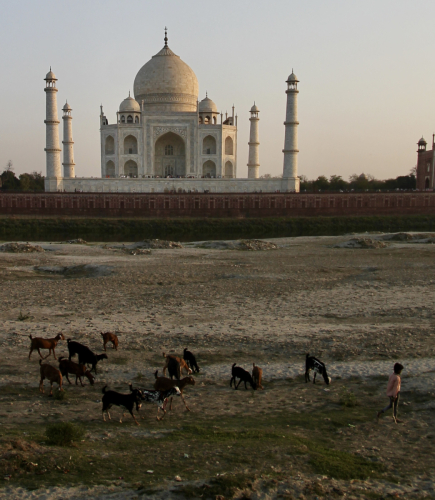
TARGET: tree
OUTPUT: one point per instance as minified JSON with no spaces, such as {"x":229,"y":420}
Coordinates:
{"x":9,"y":181}
{"x":337,"y":183}
{"x":9,"y":166}
{"x":321,"y":183}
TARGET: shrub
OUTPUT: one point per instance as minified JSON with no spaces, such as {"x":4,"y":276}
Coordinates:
{"x":63,"y":433}
{"x":348,"y":398}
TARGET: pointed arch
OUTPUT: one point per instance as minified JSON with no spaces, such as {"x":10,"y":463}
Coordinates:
{"x":130,"y":145}
{"x":209,"y":169}
{"x":109,"y":147}
{"x":209,"y":145}
{"x":110,"y":169}
{"x":170,"y":156}
{"x":130,"y":168}
{"x":229,"y":174}
{"x":229,"y":146}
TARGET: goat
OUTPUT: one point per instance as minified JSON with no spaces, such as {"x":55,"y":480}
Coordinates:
{"x":312,"y":363}
{"x":66,"y":366}
{"x":163,"y":384}
{"x":190,"y":360}
{"x":127,"y":401}
{"x":257,"y":374}
{"x":183,"y":365}
{"x":158,"y":397}
{"x":243,"y":375}
{"x":50,"y":373}
{"x":40,"y":343}
{"x":86,"y":356}
{"x":110,"y":337}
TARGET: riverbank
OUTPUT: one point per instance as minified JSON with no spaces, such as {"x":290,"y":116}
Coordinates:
{"x":192,"y":229}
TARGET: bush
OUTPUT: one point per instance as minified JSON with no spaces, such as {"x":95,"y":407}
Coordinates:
{"x":348,"y":398}
{"x":63,"y":433}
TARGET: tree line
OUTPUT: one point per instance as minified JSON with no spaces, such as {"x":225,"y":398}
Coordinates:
{"x":356,"y":182}
{"x":24,"y":182}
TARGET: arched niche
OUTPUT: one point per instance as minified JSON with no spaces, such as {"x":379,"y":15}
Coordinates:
{"x":109,"y":147}
{"x":229,"y":146}
{"x":170,"y":156}
{"x":209,"y":169}
{"x":130,"y":168}
{"x":110,"y":169}
{"x":229,"y":170}
{"x":130,"y":145}
{"x":209,"y":145}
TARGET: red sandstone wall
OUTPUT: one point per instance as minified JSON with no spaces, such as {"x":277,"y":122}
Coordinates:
{"x":422,"y":173}
{"x":215,"y":205}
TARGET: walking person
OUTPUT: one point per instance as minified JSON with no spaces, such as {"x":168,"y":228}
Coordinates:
{"x":393,"y":392}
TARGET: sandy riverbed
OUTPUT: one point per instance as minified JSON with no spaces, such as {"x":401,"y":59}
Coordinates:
{"x":359,"y":310}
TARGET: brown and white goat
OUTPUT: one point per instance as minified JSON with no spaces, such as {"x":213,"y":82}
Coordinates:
{"x":66,"y":366}
{"x":164,"y":384}
{"x":110,"y":337}
{"x":50,"y":373}
{"x":37,"y":343}
{"x":257,"y":374}
{"x":181,"y":361}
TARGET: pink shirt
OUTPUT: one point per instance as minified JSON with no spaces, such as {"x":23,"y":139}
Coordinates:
{"x":393,"y":387}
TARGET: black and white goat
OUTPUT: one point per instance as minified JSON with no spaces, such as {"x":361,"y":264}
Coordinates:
{"x":160,"y":398}
{"x":318,"y":367}
{"x":243,"y":375}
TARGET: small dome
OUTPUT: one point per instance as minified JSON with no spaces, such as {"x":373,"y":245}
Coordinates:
{"x":422,"y":141}
{"x":254,"y":109}
{"x":292,"y":78}
{"x":67,"y":107}
{"x":50,"y":75}
{"x":207,"y":106}
{"x":129,"y":105}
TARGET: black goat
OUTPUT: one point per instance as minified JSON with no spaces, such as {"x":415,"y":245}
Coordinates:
{"x":190,"y":359}
{"x":86,"y":356}
{"x":127,"y":401}
{"x":312,"y":363}
{"x":243,"y":375}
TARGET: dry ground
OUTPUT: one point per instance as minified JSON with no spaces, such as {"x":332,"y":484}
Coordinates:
{"x":359,"y":310}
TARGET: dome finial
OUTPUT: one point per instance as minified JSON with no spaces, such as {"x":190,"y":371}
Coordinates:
{"x":206,"y":94}
{"x":128,"y":93}
{"x":166,"y":36}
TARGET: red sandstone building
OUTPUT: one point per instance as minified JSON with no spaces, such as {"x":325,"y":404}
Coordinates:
{"x":425,"y":165}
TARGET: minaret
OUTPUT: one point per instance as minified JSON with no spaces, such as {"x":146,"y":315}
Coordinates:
{"x":254,"y":145}
{"x":52,"y":132}
{"x":290,"y":170}
{"x":68,"y":148}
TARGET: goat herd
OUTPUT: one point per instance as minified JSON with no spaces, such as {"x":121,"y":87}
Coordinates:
{"x":164,"y":388}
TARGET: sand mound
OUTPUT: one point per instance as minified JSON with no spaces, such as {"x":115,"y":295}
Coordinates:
{"x":77,"y":241}
{"x":81,"y":271}
{"x":20,"y":248}
{"x":256,"y":245}
{"x":361,"y":243}
{"x":237,"y":245}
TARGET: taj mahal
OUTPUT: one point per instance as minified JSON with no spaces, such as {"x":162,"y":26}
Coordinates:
{"x":166,"y":140}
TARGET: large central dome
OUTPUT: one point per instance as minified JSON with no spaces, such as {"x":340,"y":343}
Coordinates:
{"x":166,"y":83}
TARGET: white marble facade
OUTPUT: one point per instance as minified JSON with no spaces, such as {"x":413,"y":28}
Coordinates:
{"x":164,"y":139}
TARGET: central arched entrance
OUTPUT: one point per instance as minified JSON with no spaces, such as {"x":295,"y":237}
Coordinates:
{"x":170,"y":156}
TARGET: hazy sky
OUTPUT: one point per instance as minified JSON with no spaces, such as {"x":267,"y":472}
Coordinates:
{"x":365,"y":69}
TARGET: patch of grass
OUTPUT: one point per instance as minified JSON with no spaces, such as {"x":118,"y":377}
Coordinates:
{"x":64,"y":433}
{"x":342,"y":465}
{"x":60,"y":395}
{"x":119,"y":361}
{"x":348,"y":398}
{"x":23,"y":317}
